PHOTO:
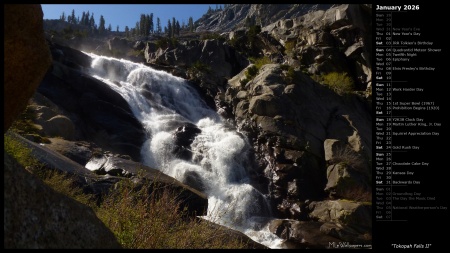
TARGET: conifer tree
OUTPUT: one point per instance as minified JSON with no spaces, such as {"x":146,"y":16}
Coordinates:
{"x":73,"y":19}
{"x":101,"y":26}
{"x":177,"y":28}
{"x":169,"y":29}
{"x":150,"y":23}
{"x":62,"y":17}
{"x":127,"y":32}
{"x":136,"y":29}
{"x":158,"y":25}
{"x":86,"y":19}
{"x":174,"y":27}
{"x":92,"y":23}
{"x":191,"y":24}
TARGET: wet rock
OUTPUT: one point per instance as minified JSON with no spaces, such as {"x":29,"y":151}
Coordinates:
{"x":183,"y":138}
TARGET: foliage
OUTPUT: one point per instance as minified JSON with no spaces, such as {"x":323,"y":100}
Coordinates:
{"x":210,"y":36}
{"x":349,"y":157}
{"x":147,"y":217}
{"x":24,"y":125}
{"x":340,"y":83}
{"x":18,"y":150}
{"x":247,"y":44}
{"x":166,"y":42}
{"x":156,"y":220}
{"x":259,"y":62}
{"x":254,"y":30}
{"x":252,"y":71}
{"x":291,"y":75}
{"x":199,"y":66}
{"x":289,"y":46}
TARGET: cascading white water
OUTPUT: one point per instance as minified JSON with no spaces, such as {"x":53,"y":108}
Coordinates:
{"x":162,"y":103}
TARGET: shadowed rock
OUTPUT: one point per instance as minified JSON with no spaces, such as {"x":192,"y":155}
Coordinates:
{"x":27,"y":57}
{"x":37,"y":217}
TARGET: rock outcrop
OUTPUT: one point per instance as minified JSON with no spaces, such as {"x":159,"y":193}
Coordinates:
{"x":100,"y":114}
{"x":288,"y":121}
{"x":35,"y":216}
{"x":27,"y":57}
{"x":209,"y":63}
{"x":236,"y":16}
{"x":338,"y":39}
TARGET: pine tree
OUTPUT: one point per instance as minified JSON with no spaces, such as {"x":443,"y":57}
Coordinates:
{"x":62,"y":17}
{"x":174,"y":27}
{"x":109,"y":27}
{"x":136,"y":29}
{"x":151,"y":26}
{"x":86,"y":19}
{"x":158,"y":26}
{"x":127,"y":32}
{"x":73,"y":19}
{"x":169,"y":29}
{"x":191,"y":24}
{"x":249,"y":22}
{"x":177,"y":28}
{"x":147,"y":25}
{"x":83,"y":16}
{"x":92,"y":23}
{"x":101,"y":26}
{"x":117,"y":29}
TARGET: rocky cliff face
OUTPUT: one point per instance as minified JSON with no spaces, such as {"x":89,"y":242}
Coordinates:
{"x":334,"y":40}
{"x":236,"y":15}
{"x":298,"y":128}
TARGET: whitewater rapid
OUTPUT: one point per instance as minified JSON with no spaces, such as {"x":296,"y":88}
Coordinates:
{"x":220,"y":156}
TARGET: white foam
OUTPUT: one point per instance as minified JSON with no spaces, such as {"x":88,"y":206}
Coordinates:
{"x":163,"y":102}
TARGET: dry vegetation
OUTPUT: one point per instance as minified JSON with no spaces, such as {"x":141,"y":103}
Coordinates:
{"x":138,"y":219}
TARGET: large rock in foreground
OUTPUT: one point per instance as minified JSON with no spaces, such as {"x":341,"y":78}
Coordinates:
{"x":35,"y":216}
{"x":27,"y":57}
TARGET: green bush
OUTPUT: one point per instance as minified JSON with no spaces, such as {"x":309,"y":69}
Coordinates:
{"x":289,"y":46}
{"x":340,"y":83}
{"x":291,"y":75}
{"x":210,"y":36}
{"x":252,"y":71}
{"x":200,"y":67}
{"x":166,"y":42}
{"x":259,"y":62}
{"x":18,"y":150}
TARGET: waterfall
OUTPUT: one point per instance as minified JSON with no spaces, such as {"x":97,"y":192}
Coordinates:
{"x":216,"y":159}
